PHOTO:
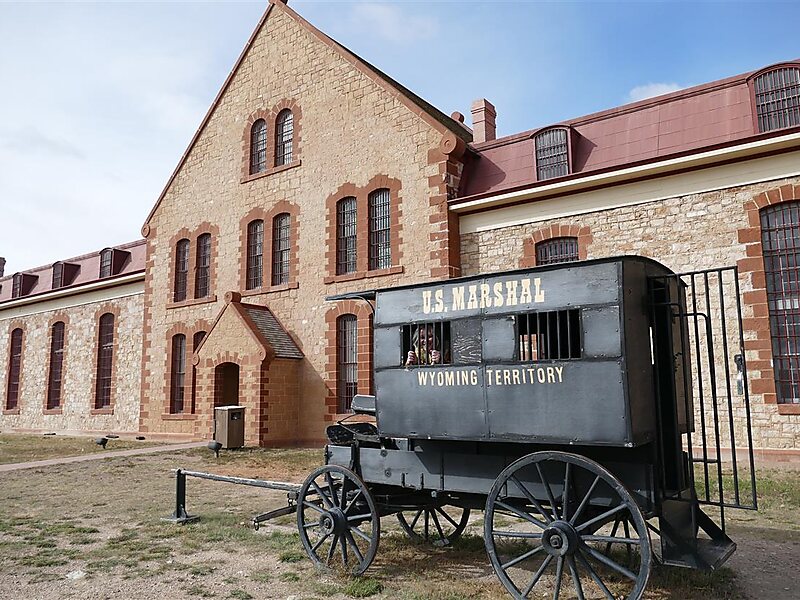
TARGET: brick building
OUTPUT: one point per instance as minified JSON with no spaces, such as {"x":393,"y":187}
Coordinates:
{"x":313,"y":174}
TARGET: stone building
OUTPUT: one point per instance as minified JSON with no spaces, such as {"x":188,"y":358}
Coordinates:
{"x":313,"y":173}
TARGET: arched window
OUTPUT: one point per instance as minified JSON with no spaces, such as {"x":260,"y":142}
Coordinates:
{"x":178,"y":375}
{"x":255,"y":253}
{"x":56,"y":366}
{"x":346,"y":236}
{"x":780,"y":241}
{"x":557,"y":250}
{"x":281,"y":247}
{"x":105,"y":358}
{"x":58,"y":275}
{"x":284,"y":134}
{"x":777,"y":95}
{"x":202,"y":275}
{"x":16,"y":285}
{"x":346,"y":361}
{"x":197,"y":339}
{"x":258,"y":147}
{"x":380,"y":251}
{"x":106,"y":262}
{"x":181,"y":270}
{"x":14,"y":370}
{"x":552,"y":154}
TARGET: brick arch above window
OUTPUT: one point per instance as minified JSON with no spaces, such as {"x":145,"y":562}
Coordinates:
{"x":204,"y":228}
{"x":270,"y":116}
{"x":556,"y":230}
{"x":267,"y":217}
{"x":363,"y":313}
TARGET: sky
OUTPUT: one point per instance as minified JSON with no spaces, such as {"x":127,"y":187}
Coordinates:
{"x":98,"y":101}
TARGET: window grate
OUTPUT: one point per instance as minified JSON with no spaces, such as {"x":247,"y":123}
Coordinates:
{"x":778,"y":99}
{"x":284,"y":134}
{"x":105,"y":356}
{"x":258,"y":147}
{"x":56,"y":366}
{"x":255,"y":254}
{"x":552,"y":154}
{"x":557,"y":250}
{"x":58,"y":275}
{"x":202,"y":279}
{"x":181,"y":270}
{"x":380,"y":252}
{"x":281,"y":248}
{"x":105,"y":263}
{"x":14,"y":370}
{"x":780,"y":240}
{"x":550,"y":335}
{"x":426,"y":344}
{"x":178,"y":375}
{"x":346,"y":361}
{"x":346,"y":250}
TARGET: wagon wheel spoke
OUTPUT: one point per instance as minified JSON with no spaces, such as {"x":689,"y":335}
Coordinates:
{"x":361,"y":534}
{"x":559,"y":574}
{"x":548,"y":491}
{"x":416,"y":518}
{"x":352,"y":502}
{"x":427,"y":524}
{"x":332,"y":549}
{"x":565,"y":493}
{"x":320,"y":541}
{"x":522,"y":557}
{"x":600,"y":518}
{"x":354,"y":546}
{"x":522,"y":514}
{"x":447,"y":527}
{"x":595,"y":577}
{"x":329,"y":480}
{"x":610,"y":539}
{"x":438,"y":525}
{"x":526,"y":492}
{"x":600,"y":557}
{"x":576,"y":580}
{"x":313,"y":506}
{"x":537,"y":576}
{"x":518,"y":534}
{"x":613,"y":534}
{"x":448,"y":517}
{"x":585,"y":501}
{"x":325,"y":498}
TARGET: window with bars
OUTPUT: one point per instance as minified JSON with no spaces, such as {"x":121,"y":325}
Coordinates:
{"x":346,"y":249}
{"x":552,"y":154}
{"x":178,"y":374}
{"x":550,"y":335}
{"x":197,"y":339}
{"x":105,"y":358}
{"x":557,"y":250}
{"x":181,"y":270}
{"x":258,"y":147}
{"x":54,"y":378}
{"x":281,"y":248}
{"x":202,"y":269}
{"x":58,"y":275}
{"x":426,"y":344}
{"x":346,"y":361}
{"x":14,"y":370}
{"x":380,"y":251}
{"x":780,"y":240}
{"x":284,"y":134}
{"x":105,"y":263}
{"x":255,"y":254}
{"x":778,"y":99}
{"x":16,"y":285}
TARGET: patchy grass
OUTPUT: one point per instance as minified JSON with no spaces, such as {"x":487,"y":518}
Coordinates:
{"x":17,"y":448}
{"x":363,"y":587}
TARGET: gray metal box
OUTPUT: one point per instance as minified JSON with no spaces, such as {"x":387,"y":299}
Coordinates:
{"x":229,"y":426}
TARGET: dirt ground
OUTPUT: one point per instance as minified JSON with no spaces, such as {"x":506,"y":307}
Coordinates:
{"x":92,"y":530}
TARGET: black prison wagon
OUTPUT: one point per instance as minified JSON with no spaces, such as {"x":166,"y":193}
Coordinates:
{"x":586,"y":407}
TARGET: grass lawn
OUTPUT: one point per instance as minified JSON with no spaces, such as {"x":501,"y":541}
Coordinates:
{"x":15,"y":448}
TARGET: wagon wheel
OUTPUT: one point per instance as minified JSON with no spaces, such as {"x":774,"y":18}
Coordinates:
{"x":435,"y":524}
{"x":337,"y":520}
{"x":558,"y":513}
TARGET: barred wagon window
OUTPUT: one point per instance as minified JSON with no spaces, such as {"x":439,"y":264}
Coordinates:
{"x":181,"y":270}
{"x":281,"y":247}
{"x":346,"y":361}
{"x":346,"y":236}
{"x":778,"y":99}
{"x":550,"y":335}
{"x":56,"y":366}
{"x":380,"y":252}
{"x":552,"y":154}
{"x":426,"y":344}
{"x":780,"y":240}
{"x":58,"y":275}
{"x":105,"y":356}
{"x":177,"y":387}
{"x":255,"y":253}
{"x":557,"y":250}
{"x":14,"y":370}
{"x":105,"y":263}
{"x":284,"y":134}
{"x":202,"y":278}
{"x":258,"y":147}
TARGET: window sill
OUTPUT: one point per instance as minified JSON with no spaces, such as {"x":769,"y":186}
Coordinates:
{"x":272,"y":171}
{"x":789,"y":409}
{"x":363,"y":275}
{"x":193,"y":302}
{"x":102,"y":411}
{"x":178,"y":417}
{"x":12,"y":411}
{"x":271,"y":289}
{"x":52,"y":411}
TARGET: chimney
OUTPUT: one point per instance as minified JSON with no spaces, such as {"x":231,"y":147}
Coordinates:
{"x":483,"y":124}
{"x":2,"y":265}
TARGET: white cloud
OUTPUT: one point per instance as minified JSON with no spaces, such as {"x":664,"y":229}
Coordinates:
{"x":393,"y":23}
{"x":649,"y":90}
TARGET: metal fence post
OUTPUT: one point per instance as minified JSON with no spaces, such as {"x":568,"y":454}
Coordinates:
{"x":180,"y":515}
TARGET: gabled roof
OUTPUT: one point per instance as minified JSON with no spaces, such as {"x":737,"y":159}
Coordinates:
{"x":430,"y":114}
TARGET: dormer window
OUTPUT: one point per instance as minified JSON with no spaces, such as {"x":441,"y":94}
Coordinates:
{"x":111,"y":261}
{"x":16,"y":285}
{"x":777,"y":96}
{"x":552,"y":153}
{"x":58,"y":275}
{"x":22,"y":284}
{"x":64,"y":274}
{"x":105,"y":262}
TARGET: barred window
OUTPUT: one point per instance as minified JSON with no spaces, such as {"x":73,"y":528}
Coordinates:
{"x":105,"y":263}
{"x":552,"y":154}
{"x":346,"y":361}
{"x":202,"y":275}
{"x":380,"y":251}
{"x":426,"y":344}
{"x":181,"y":270}
{"x":105,"y":356}
{"x":197,"y":339}
{"x":56,"y":366}
{"x":58,"y":275}
{"x":346,"y":250}
{"x":550,"y":335}
{"x":284,"y":134}
{"x":281,"y":245}
{"x":778,"y":99}
{"x":780,"y":241}
{"x":16,"y":285}
{"x":557,"y":250}
{"x":258,"y":147}
{"x":177,"y":388}
{"x":14,"y":370}
{"x":255,"y":254}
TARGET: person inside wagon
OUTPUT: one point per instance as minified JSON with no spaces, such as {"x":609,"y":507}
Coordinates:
{"x":425,"y":347}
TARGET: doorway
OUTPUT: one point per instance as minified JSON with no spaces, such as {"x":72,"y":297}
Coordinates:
{"x":226,"y":385}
